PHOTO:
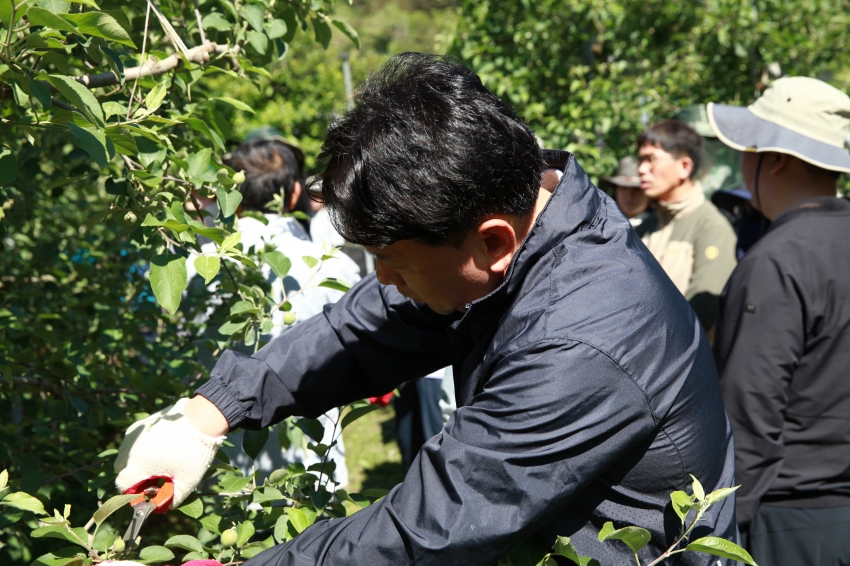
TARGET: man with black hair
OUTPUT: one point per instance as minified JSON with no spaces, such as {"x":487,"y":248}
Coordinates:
{"x":585,"y":385}
{"x":783,"y":338}
{"x":688,"y":236}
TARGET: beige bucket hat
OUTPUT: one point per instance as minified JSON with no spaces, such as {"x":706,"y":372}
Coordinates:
{"x":800,"y":116}
{"x":627,"y":175}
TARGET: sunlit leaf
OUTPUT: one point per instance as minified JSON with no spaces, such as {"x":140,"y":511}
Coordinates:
{"x":721,"y":547}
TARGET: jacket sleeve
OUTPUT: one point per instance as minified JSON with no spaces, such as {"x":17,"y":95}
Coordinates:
{"x":366,"y":344}
{"x":714,"y":261}
{"x":759,"y":344}
{"x":550,"y":419}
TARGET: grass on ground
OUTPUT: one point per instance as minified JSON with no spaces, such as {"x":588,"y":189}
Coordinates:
{"x":371,"y":452}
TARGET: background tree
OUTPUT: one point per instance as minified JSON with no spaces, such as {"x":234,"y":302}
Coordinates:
{"x":589,"y":75}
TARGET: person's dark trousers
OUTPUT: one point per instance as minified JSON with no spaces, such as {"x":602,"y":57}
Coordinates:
{"x":784,"y":536}
{"x":418,"y":417}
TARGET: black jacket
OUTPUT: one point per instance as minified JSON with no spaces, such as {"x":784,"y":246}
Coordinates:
{"x":783,"y":350}
{"x":586,"y":391}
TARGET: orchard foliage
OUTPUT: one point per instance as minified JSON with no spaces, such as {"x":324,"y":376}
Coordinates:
{"x":590,"y":74}
{"x":109,"y":136}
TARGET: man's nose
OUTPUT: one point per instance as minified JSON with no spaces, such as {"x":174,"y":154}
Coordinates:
{"x":644,"y":168}
{"x":385,"y":275}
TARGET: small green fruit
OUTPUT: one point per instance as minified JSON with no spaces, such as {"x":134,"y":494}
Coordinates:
{"x":239,"y":178}
{"x":229,"y":537}
{"x":221,"y":172}
{"x":119,"y":545}
{"x":289,"y":318}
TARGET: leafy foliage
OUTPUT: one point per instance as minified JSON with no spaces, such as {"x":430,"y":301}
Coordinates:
{"x":588,"y":78}
{"x":636,"y":538}
{"x":110,"y":135}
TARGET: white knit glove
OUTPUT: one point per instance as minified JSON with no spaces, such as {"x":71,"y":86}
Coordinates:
{"x":166,"y":444}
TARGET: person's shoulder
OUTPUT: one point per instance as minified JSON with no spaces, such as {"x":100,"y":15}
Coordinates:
{"x":711,"y":218}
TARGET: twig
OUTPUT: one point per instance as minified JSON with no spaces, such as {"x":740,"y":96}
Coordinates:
{"x":144,"y":47}
{"x":72,"y":472}
{"x":200,"y":25}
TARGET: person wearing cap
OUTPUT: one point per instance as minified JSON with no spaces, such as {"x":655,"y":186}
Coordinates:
{"x":689,"y":237}
{"x":783,"y":339}
{"x":625,"y":188}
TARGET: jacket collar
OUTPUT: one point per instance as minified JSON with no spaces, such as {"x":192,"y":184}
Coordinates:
{"x":813,"y":206}
{"x":575,"y":205}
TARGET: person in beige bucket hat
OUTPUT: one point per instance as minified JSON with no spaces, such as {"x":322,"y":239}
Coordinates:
{"x":783,"y":338}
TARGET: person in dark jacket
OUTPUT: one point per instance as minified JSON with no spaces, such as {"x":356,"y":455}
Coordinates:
{"x":585,"y":386}
{"x":783,"y":341}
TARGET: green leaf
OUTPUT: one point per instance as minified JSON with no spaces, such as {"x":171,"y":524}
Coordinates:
{"x":565,"y":548}
{"x":7,"y":12}
{"x":300,"y":519}
{"x":185,"y":542}
{"x":168,"y":280}
{"x":94,"y":142}
{"x":231,"y":328}
{"x":199,"y":170}
{"x":349,"y":31}
{"x":335,"y":284}
{"x":720,"y":494}
{"x":40,"y":93}
{"x":41,"y":17}
{"x":245,"y":530}
{"x":239,"y":105}
{"x":253,"y":441}
{"x":312,"y":428}
{"x":699,"y":492}
{"x":254,"y":15}
{"x":61,"y":532}
{"x":4,"y":478}
{"x":153,"y":554}
{"x":124,"y":143}
{"x":230,"y":241}
{"x":275,"y":29}
{"x":214,"y":20}
{"x":322,"y":31}
{"x":232,"y":483}
{"x":280,"y":528}
{"x":111,"y":506}
{"x":721,"y":547}
{"x":8,"y":165}
{"x":212,"y":523}
{"x":79,"y":96}
{"x":267,"y":494}
{"x":682,"y":503}
{"x":634,"y":537}
{"x":258,"y":41}
{"x":24,"y":502}
{"x":114,"y":109}
{"x":155,"y":97}
{"x":194,"y":509}
{"x":279,"y":263}
{"x":100,"y":24}
{"x":207,"y":267}
{"x":310,"y":261}
{"x":243,"y":306}
{"x":228,"y":202}
{"x":356,"y":413}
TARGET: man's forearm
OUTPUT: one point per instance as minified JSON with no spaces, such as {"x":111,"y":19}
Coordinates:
{"x":206,"y":417}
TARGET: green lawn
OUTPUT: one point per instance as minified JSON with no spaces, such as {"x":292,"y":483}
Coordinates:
{"x":371,"y":452}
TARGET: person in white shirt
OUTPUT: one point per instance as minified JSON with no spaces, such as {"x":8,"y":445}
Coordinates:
{"x":273,"y":167}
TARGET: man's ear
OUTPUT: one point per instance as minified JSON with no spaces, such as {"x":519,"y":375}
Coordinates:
{"x":296,"y":194}
{"x":777,"y":162}
{"x":686,"y":167}
{"x":497,"y":242}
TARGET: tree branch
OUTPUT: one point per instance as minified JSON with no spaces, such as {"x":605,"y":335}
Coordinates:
{"x":199,"y":55}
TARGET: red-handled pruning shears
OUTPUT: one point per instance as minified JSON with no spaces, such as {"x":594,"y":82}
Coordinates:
{"x":155,"y":495}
